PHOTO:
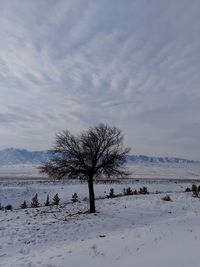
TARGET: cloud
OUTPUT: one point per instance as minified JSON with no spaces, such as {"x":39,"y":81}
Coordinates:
{"x":71,"y":64}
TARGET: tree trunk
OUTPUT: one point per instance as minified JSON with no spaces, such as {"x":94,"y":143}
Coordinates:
{"x":91,"y":195}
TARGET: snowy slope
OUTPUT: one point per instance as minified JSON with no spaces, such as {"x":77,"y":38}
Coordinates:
{"x":131,"y":231}
{"x":15,"y":192}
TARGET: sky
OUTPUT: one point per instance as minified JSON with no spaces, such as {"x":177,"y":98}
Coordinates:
{"x":71,"y":64}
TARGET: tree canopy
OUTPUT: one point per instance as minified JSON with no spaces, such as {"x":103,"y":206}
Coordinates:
{"x":96,"y":152}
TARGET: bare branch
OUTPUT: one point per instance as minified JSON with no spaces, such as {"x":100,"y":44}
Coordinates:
{"x":95,"y":152}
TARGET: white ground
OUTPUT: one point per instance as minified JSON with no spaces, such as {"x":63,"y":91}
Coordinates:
{"x":130,"y":231}
{"x":15,"y":192}
{"x":139,"y":170}
{"x":140,"y":231}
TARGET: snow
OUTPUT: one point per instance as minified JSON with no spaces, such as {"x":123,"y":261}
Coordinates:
{"x":139,"y":170}
{"x":15,"y":192}
{"x":165,"y":171}
{"x":141,"y":230}
{"x":137,"y":230}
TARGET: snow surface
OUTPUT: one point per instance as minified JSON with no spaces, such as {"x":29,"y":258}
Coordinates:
{"x":15,"y":192}
{"x":139,"y":171}
{"x":139,"y":230}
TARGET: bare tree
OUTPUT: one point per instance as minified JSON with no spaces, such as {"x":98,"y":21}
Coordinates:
{"x":93,"y":153}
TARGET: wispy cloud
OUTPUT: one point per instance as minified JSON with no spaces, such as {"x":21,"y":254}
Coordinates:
{"x":70,"y":64}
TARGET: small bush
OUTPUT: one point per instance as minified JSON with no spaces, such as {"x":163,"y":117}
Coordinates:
{"x":195,"y":190}
{"x":75,"y":198}
{"x":140,"y":190}
{"x":24,"y":205}
{"x":8,"y":207}
{"x":35,"y":203}
{"x":56,"y":199}
{"x":47,"y":202}
{"x":128,"y":191}
{"x":143,"y":190}
{"x":135,"y":192}
{"x":187,"y":189}
{"x":194,"y":187}
{"x":111,"y":193}
{"x":167,"y":198}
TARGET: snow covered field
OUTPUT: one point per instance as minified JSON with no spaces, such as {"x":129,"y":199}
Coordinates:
{"x":15,"y":192}
{"x":139,"y":171}
{"x":138,"y":230}
{"x":130,"y":231}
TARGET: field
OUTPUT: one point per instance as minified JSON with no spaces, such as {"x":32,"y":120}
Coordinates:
{"x":137,"y":230}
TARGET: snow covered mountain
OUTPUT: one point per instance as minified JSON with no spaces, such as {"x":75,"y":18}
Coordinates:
{"x":160,"y":160}
{"x":13,"y":156}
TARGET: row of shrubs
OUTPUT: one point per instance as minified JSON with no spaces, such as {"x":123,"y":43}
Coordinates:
{"x":36,"y":204}
{"x":128,"y":192}
{"x":56,"y":200}
{"x":195,"y":190}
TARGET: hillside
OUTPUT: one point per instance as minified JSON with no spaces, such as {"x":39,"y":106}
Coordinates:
{"x":13,"y":156}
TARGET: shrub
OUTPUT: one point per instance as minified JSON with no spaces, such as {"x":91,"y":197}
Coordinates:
{"x":143,"y":190}
{"x":47,"y":202}
{"x":135,"y":192}
{"x":128,"y":191}
{"x":140,"y":190}
{"x":187,"y":189}
{"x":111,"y":193}
{"x":75,"y":198}
{"x":195,"y":190}
{"x":56,"y":199}
{"x":167,"y":198}
{"x":35,"y":203}
{"x":194,"y":187}
{"x":24,"y":205}
{"x":8,"y":207}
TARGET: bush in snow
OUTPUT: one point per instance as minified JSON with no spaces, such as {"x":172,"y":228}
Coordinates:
{"x":47,"y":202}
{"x":195,"y":190}
{"x":111,"y":193}
{"x":8,"y":207}
{"x":35,"y":203}
{"x":199,"y":188}
{"x":24,"y":205}
{"x":187,"y":189}
{"x":75,"y":198}
{"x":167,"y":198}
{"x":135,"y":192}
{"x":56,"y":199}
{"x":143,"y":190}
{"x":128,"y":191}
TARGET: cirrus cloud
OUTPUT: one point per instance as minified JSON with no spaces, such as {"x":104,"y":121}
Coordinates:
{"x":71,"y":64}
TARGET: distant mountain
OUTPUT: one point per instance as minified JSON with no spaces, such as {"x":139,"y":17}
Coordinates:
{"x":13,"y":156}
{"x":160,"y":160}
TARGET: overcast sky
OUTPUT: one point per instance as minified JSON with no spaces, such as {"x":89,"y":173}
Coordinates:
{"x":70,"y":64}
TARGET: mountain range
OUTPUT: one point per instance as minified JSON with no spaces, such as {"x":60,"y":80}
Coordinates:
{"x":13,"y":156}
